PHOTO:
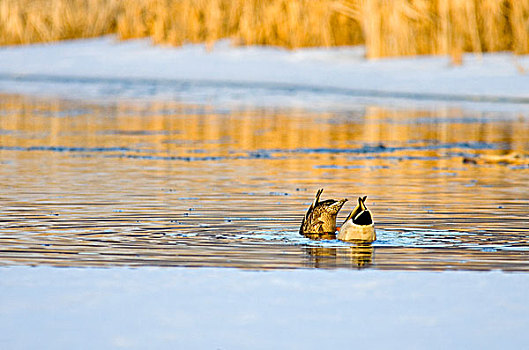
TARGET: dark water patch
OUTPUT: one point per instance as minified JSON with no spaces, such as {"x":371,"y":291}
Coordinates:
{"x":169,"y":158}
{"x":185,"y":158}
{"x":519,"y":167}
{"x":126,"y":152}
{"x":450,"y":120}
{"x":67,"y":149}
{"x":397,"y":158}
{"x":389,"y":149}
{"x":351,"y":167}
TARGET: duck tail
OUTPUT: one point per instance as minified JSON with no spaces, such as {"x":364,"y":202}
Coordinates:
{"x":317,"y":198}
{"x":361,"y":203}
{"x":309,"y":211}
{"x":363,"y":216}
{"x":355,"y":211}
{"x":336,"y":206}
{"x":315,"y":203}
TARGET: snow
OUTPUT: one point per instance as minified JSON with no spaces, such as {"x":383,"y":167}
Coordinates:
{"x":168,"y":308}
{"x":216,"y":308}
{"x":70,"y":68}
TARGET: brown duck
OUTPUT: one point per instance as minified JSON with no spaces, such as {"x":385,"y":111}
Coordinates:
{"x":320,"y":219}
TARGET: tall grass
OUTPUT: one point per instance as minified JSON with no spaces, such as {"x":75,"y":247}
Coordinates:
{"x":386,"y":27}
{"x":29,"y":21}
{"x":414,"y":27}
{"x":287,"y":23}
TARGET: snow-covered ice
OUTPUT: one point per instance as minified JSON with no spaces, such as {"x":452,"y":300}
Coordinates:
{"x":179,"y":308}
{"x":106,"y":67}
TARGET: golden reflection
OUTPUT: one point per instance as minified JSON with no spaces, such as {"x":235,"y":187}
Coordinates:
{"x":511,"y":158}
{"x":162,"y":180}
{"x":320,"y":236}
{"x":360,"y":255}
{"x":176,"y":128}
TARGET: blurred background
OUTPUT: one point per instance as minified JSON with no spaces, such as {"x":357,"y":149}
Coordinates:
{"x":385,"y":27}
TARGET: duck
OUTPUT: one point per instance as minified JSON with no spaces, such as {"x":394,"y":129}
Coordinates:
{"x":511,"y":158}
{"x":359,"y":225}
{"x":319,"y":221}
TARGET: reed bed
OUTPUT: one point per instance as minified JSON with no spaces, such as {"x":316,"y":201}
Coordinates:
{"x":386,"y":27}
{"x":286,"y":23}
{"x":415,"y":27}
{"x":30,"y":21}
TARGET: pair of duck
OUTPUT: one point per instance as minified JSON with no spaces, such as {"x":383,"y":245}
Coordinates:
{"x":320,"y":221}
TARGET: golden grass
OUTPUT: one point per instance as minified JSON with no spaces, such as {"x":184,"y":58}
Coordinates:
{"x":287,"y":23}
{"x":29,"y":21}
{"x":412,"y":27}
{"x":386,"y":27}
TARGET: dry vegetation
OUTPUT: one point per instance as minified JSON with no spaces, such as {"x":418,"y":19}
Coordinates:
{"x":28,"y":21}
{"x":387,"y":27}
{"x":411,"y":27}
{"x":285,"y":23}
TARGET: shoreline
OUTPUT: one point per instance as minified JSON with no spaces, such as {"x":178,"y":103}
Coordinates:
{"x":335,"y":78}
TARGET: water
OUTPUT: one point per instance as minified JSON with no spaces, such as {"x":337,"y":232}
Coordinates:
{"x":159,"y":183}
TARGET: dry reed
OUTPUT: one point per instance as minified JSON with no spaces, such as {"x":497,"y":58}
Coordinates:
{"x":286,"y":23}
{"x":29,"y":21}
{"x":411,"y":27}
{"x":386,"y":27}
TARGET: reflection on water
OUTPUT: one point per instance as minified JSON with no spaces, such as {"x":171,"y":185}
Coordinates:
{"x":354,"y":256}
{"x":168,"y":184}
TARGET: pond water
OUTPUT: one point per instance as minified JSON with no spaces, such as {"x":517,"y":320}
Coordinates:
{"x":160,"y":183}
